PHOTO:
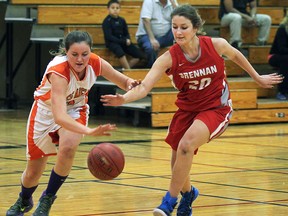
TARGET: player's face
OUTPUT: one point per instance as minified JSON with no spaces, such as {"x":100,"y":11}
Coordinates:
{"x":114,"y":10}
{"x":78,"y":56}
{"x":183,"y":30}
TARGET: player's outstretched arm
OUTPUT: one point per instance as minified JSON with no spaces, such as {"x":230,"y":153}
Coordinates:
{"x":265,"y":81}
{"x":158,"y":69}
{"x":122,"y":81}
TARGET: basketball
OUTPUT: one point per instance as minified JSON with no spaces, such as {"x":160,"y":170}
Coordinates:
{"x":106,"y":161}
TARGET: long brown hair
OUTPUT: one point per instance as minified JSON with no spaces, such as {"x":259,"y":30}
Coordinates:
{"x":191,"y":13}
{"x":71,"y":38}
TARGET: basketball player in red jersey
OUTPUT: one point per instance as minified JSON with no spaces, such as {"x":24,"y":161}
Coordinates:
{"x":197,"y":69}
{"x":59,"y":115}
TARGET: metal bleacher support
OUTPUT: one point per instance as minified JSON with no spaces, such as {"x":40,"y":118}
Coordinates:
{"x":13,"y":15}
{"x":3,"y":6}
{"x":16,"y":15}
{"x":40,"y":35}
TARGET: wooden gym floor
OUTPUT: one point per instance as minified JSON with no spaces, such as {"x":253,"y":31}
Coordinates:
{"x":242,"y":173}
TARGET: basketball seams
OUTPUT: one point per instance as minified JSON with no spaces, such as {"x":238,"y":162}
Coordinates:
{"x":96,"y":168}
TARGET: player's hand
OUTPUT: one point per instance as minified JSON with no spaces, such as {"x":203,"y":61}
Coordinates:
{"x":102,"y":130}
{"x":268,"y":81}
{"x":112,"y":100}
{"x":133,"y":84}
{"x":155,"y":44}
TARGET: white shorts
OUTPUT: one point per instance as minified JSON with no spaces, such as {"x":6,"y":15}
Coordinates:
{"x":42,"y":132}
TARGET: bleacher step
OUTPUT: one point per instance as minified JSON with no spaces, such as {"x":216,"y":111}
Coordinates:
{"x":271,"y":103}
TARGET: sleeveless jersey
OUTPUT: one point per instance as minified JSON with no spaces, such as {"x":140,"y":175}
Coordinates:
{"x":77,"y":90}
{"x":202,"y":84}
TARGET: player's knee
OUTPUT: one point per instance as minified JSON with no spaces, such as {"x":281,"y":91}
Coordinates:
{"x":186,"y":147}
{"x":68,"y":147}
{"x":237,"y":20}
{"x":68,"y":151}
{"x":268,"y":20}
{"x":31,"y":175}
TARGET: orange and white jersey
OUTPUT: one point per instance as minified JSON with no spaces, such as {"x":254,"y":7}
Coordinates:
{"x":77,"y":91}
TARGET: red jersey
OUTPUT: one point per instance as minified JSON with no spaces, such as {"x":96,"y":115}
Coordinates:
{"x":201,"y":83}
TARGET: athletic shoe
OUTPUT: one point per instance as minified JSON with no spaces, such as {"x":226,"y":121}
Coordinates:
{"x":166,"y":207}
{"x":20,"y":207}
{"x":281,"y":96}
{"x":44,"y":204}
{"x":185,"y":205}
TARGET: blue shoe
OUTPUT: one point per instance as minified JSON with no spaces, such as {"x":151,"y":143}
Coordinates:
{"x":166,"y":207}
{"x":20,"y":207}
{"x":185,"y":205}
{"x":281,"y":96}
{"x":44,"y":205}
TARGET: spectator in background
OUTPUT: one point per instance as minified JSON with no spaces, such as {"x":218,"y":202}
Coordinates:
{"x":234,"y":13}
{"x":278,"y":57}
{"x":154,"y":30}
{"x":117,"y":38}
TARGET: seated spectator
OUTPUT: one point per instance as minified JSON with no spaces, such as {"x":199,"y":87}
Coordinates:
{"x":117,"y":38}
{"x":234,"y":13}
{"x":154,"y":30}
{"x":278,"y":57}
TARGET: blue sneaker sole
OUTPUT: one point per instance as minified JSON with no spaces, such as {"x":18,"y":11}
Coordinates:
{"x":159,"y":212}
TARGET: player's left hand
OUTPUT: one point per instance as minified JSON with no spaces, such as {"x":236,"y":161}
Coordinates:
{"x":268,"y":81}
{"x":112,"y":100}
{"x":102,"y":130}
{"x":133,"y":84}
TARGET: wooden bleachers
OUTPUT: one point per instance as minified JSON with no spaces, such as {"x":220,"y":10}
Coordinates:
{"x":261,"y":3}
{"x":249,"y":35}
{"x":98,"y":38}
{"x":97,"y":32}
{"x":258,"y":54}
{"x":84,"y":14}
{"x":104,"y":2}
{"x":93,"y":16}
{"x":273,"y":3}
{"x":93,"y":12}
{"x":73,"y":2}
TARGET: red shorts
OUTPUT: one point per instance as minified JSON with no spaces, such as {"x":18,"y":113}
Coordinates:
{"x":216,"y":120}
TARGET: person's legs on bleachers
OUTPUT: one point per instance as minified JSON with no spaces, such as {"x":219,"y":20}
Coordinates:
{"x":264,"y":23}
{"x":166,"y":40}
{"x":117,"y":49}
{"x":151,"y":54}
{"x":234,"y":21}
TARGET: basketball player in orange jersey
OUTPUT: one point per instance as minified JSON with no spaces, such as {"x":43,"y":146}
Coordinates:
{"x":59,"y":115}
{"x":197,"y":69}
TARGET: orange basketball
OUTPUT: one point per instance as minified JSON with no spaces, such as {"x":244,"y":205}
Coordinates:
{"x":106,"y":161}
